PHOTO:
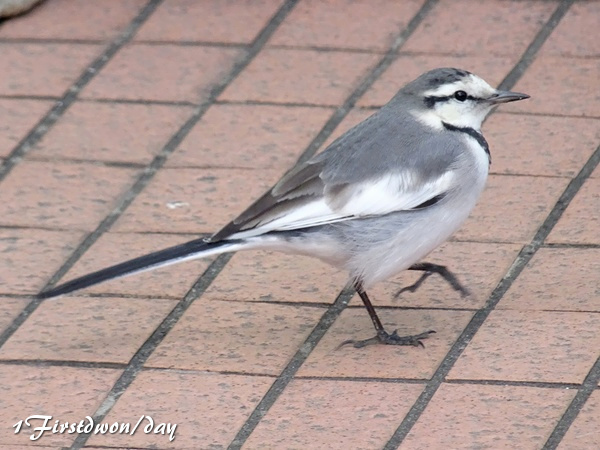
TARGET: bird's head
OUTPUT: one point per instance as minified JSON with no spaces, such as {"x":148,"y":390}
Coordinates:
{"x":455,"y":97}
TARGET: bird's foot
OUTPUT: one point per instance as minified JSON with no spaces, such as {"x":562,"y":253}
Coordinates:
{"x":429,"y":269}
{"x":413,"y":287}
{"x":383,"y":337}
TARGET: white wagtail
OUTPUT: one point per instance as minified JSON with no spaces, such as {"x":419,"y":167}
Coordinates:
{"x":375,"y":202}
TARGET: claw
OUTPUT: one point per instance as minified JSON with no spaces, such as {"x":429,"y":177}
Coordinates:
{"x":390,"y":339}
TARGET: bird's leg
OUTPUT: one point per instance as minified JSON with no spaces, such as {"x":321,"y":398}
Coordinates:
{"x":429,"y":269}
{"x":383,"y":337}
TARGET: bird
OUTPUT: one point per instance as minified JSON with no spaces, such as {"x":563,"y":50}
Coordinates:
{"x":375,"y":202}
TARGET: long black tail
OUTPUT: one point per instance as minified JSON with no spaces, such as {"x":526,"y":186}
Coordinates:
{"x":197,"y":248}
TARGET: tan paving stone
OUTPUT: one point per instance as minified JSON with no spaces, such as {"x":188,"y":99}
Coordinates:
{"x":494,"y":28}
{"x":250,"y":136}
{"x":543,"y":346}
{"x":334,"y":415}
{"x":194,"y":200}
{"x":109,"y":19}
{"x":61,"y":195}
{"x":563,"y":86}
{"x":43,"y":69}
{"x":265,"y":276}
{"x":247,"y":338}
{"x":540,"y":145}
{"x":580,"y":223}
{"x":557,"y":279}
{"x":162,"y":72}
{"x":476,"y":416}
{"x":300,"y":76}
{"x":325,"y":24}
{"x":19,"y":117}
{"x":30,"y":257}
{"x":230,"y":22}
{"x":574,"y":35}
{"x":87,"y":329}
{"x":111,"y":132}
{"x":65,"y":393}
{"x":583,"y":433}
{"x":512,"y":208}
{"x":378,"y":361}
{"x":208,"y":408}
{"x":10,"y":308}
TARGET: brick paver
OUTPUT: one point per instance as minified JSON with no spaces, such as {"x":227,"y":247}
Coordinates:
{"x":18,"y":117}
{"x":250,"y":136}
{"x":111,"y":132}
{"x":129,"y":126}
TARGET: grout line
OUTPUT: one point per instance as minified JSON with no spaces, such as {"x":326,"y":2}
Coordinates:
{"x":84,"y":162}
{"x":207,"y":371}
{"x":590,"y":384}
{"x":520,"y":261}
{"x":341,"y":112}
{"x":52,"y":98}
{"x":63,"y":363}
{"x":81,"y":230}
{"x":150,"y":42}
{"x":274,"y":103}
{"x":140,"y":165}
{"x":328,"y":49}
{"x":536,"y":384}
{"x":532,"y":50}
{"x":140,"y":101}
{"x":593,"y":377}
{"x":52,"y":41}
{"x":573,"y":245}
{"x":561,"y":176}
{"x":341,"y":302}
{"x":69,"y":97}
{"x":290,"y":370}
{"x":135,"y":365}
{"x":350,"y":379}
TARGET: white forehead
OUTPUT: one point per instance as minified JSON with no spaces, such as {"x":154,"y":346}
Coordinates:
{"x":471,"y":84}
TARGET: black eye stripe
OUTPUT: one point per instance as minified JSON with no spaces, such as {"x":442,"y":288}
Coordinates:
{"x":432,"y":100}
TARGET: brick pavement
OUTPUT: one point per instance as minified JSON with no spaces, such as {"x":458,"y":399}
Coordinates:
{"x":131,"y":125}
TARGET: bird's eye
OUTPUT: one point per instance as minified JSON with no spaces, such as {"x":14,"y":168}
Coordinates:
{"x":461,"y":96}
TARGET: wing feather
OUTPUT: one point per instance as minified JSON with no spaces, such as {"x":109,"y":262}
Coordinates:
{"x":329,"y":204}
{"x":382,"y":174}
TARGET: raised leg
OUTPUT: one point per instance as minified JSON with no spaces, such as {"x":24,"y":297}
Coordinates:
{"x":382,"y":336}
{"x":429,"y":269}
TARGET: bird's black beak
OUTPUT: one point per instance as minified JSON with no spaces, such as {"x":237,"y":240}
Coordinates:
{"x":507,"y":96}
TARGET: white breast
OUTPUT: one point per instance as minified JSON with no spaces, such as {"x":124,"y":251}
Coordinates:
{"x":415,"y":237}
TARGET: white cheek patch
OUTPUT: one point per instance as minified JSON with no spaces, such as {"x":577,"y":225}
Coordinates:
{"x":461,"y":115}
{"x":429,"y":118}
